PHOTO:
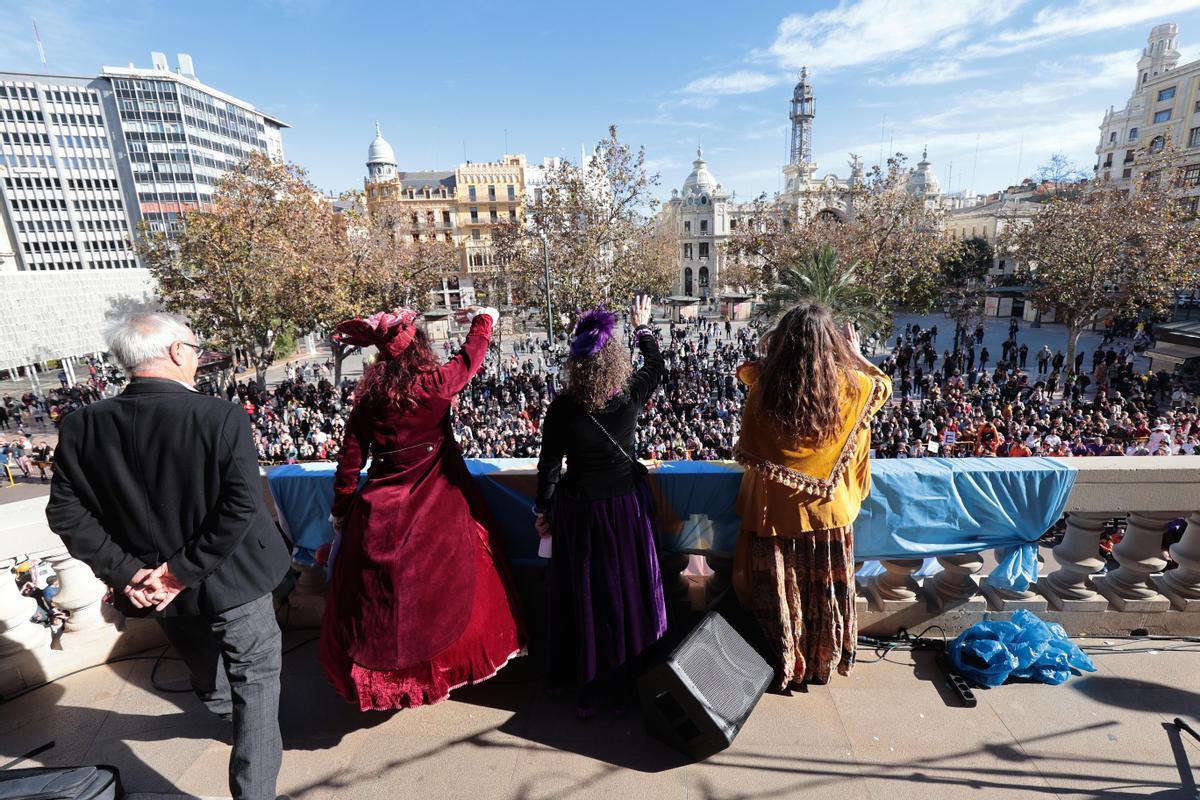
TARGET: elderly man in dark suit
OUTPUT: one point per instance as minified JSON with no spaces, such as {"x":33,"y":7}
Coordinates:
{"x":158,"y":491}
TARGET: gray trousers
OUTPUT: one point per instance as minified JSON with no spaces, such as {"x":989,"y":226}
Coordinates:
{"x":234,"y":659}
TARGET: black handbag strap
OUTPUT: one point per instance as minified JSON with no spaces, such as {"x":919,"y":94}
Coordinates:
{"x":639,"y":466}
{"x":37,"y":751}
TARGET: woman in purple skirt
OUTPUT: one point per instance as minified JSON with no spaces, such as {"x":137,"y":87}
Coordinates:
{"x":606,"y":604}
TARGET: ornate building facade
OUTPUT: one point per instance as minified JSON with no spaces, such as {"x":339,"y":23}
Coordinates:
{"x":460,"y":205}
{"x":1164,"y":106}
{"x":704,"y":215}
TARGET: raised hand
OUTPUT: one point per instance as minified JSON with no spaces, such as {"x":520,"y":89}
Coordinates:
{"x":464,"y":315}
{"x":639,"y":314}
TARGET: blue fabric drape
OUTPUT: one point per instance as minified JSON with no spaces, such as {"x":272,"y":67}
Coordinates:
{"x":918,"y":508}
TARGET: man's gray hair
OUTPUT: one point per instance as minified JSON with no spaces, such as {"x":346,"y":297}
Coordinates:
{"x":139,"y":339}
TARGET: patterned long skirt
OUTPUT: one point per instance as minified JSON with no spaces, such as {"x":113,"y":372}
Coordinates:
{"x":802,"y":594}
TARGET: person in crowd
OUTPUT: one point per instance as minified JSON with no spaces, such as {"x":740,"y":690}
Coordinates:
{"x":157,"y":490}
{"x":606,"y":604}
{"x":804,"y":445}
{"x":419,"y":599}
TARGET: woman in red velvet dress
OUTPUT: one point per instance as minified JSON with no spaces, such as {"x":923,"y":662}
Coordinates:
{"x":419,"y":599}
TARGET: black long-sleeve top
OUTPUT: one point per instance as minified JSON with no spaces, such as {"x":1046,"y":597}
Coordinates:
{"x":595,"y":468}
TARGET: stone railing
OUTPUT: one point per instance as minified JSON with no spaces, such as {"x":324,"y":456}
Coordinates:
{"x":1143,"y":494}
{"x":1140,"y":494}
{"x":94,"y":631}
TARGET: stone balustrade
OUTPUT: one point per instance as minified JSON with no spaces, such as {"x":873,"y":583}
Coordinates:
{"x":1142,"y":495}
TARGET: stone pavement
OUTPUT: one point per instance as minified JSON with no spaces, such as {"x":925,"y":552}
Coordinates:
{"x":888,"y":731}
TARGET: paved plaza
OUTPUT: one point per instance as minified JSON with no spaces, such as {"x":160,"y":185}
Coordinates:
{"x":890,"y":731}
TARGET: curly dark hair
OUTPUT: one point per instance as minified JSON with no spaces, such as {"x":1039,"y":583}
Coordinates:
{"x":596,"y":379}
{"x":806,"y":366}
{"x":387,"y":383}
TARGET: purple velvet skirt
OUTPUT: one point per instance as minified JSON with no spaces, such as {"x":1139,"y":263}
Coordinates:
{"x":606,"y":603}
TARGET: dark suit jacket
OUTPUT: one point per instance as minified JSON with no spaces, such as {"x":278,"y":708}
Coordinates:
{"x":162,"y":473}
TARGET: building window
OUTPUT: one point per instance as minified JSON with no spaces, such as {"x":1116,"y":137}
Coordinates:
{"x":1126,"y":173}
{"x":704,"y":277}
{"x":475,"y":234}
{"x":1157,"y":144}
{"x":1112,"y":138}
{"x":1191,"y":175}
{"x":1166,"y":94}
{"x":1162,"y":116}
{"x":512,"y":193}
{"x":1128,"y":156}
{"x":474,"y":214}
{"x":446,"y":218}
{"x":704,"y":226}
{"x":1133,"y":134}
{"x":471,"y":193}
{"x":687,"y":251}
{"x":704,"y":249}
{"x":1194,"y":137}
{"x":491,"y":193}
{"x":687,"y":226}
{"x":1108,"y":160}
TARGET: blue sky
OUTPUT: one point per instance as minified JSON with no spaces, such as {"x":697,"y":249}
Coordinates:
{"x":1013,"y":80}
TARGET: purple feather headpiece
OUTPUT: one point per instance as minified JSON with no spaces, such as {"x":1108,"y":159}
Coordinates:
{"x":592,"y":332}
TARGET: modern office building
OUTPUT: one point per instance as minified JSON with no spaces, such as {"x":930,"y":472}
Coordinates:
{"x":83,"y":160}
{"x":179,"y":136}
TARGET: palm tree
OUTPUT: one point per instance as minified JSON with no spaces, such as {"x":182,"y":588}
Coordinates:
{"x":819,"y":275}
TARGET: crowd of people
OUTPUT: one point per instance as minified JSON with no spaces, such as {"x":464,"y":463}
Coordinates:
{"x":981,"y":398}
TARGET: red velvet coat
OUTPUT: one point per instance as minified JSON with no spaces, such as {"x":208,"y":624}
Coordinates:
{"x":404,"y":577}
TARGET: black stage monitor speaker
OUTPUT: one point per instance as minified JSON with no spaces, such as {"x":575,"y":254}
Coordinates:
{"x":700,"y":696}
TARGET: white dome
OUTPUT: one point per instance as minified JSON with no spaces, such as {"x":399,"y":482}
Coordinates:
{"x":701,"y":179}
{"x":380,"y":152}
{"x":922,"y":181}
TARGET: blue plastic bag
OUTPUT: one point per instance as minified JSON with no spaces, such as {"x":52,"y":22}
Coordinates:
{"x":990,"y":652}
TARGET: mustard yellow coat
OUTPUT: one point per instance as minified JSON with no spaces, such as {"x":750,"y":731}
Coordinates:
{"x":790,"y":488}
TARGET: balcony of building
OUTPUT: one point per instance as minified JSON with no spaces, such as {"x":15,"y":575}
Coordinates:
{"x":891,"y":728}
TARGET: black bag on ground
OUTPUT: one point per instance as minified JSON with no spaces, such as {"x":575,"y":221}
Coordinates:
{"x":100,"y":782}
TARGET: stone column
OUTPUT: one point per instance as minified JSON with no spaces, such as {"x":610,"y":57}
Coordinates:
{"x":81,"y":592}
{"x":1128,"y":587}
{"x":896,"y":589}
{"x":1078,"y":555}
{"x":1010,"y":600}
{"x":17,"y":633}
{"x":1182,"y":584}
{"x":955,"y":586}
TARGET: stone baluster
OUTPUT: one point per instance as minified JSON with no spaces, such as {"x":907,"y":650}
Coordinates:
{"x":81,"y":593}
{"x":896,"y":589}
{"x":1001,"y":599}
{"x":1182,"y":584}
{"x":955,"y":586}
{"x":1139,"y":554}
{"x":1078,"y":555}
{"x":17,"y":633}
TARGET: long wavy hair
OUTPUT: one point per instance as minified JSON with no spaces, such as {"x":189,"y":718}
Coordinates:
{"x":387,"y":383}
{"x":807,"y":363}
{"x":594,"y":380}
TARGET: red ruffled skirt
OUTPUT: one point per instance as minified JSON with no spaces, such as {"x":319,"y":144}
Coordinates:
{"x":493,"y":636}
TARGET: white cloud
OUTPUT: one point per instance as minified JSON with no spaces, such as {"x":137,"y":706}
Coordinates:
{"x":930,"y":74}
{"x":740,"y":82}
{"x":869,"y":31}
{"x":1090,"y":16}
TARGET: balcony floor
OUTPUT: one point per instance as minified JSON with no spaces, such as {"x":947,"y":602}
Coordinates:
{"x":886,"y":732}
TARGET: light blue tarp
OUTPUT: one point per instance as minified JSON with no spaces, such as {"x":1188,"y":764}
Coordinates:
{"x":918,"y":508}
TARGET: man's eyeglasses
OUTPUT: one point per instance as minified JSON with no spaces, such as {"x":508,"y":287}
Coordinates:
{"x":195,"y":347}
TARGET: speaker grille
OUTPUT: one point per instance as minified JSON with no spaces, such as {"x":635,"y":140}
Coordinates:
{"x":726,"y":671}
